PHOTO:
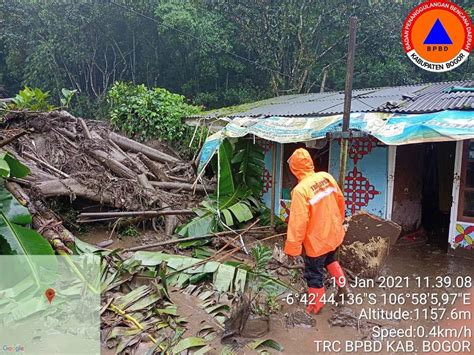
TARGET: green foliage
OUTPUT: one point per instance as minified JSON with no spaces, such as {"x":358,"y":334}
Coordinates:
{"x":15,"y":238}
{"x":262,"y":256}
{"x":236,"y":201}
{"x":37,"y":100}
{"x":10,"y":166}
{"x":90,"y":45}
{"x":149,"y":113}
{"x":32,"y":99}
{"x":67,"y":96}
{"x":129,"y":231}
{"x":250,"y":158}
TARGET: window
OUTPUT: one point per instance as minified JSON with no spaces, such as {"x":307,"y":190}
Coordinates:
{"x":466,"y":192}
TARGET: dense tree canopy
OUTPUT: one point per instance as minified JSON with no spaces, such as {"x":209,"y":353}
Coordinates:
{"x":215,"y":52}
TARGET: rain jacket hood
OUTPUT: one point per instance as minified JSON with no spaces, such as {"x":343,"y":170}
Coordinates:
{"x":301,"y":164}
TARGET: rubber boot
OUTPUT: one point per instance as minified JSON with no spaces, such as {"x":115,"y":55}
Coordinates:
{"x":335,"y":270}
{"x":314,"y":300}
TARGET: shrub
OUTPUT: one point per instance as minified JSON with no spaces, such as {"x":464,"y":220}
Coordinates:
{"x":149,"y":113}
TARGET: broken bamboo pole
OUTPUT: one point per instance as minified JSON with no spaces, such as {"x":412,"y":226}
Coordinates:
{"x":45,"y":164}
{"x":177,"y":240}
{"x":12,"y":139}
{"x":87,"y":133}
{"x":135,"y":213}
{"x":129,"y":144}
{"x":169,"y":185}
{"x":43,"y":219}
{"x":213,"y":256}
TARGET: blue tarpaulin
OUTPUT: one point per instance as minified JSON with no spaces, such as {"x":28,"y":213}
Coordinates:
{"x":391,"y":129}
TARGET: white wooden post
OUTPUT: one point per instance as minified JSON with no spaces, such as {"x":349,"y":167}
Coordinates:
{"x":456,"y":185}
{"x":392,"y":158}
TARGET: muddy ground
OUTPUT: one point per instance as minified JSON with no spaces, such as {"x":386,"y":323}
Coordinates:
{"x":297,"y":334}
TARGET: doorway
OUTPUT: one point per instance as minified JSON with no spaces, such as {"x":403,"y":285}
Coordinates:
{"x":423,"y":191}
{"x":437,"y":191}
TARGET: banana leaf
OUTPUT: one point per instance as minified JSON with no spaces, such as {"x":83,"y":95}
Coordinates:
{"x":236,"y":208}
{"x":188,"y":343}
{"x":23,"y":241}
{"x":265,"y":343}
{"x":12,"y":209}
{"x":226,"y":277}
{"x":225,"y":175}
{"x":9,"y":166}
{"x":250,"y":159}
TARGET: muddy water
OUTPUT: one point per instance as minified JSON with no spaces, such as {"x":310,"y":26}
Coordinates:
{"x":102,"y":235}
{"x":403,"y":262}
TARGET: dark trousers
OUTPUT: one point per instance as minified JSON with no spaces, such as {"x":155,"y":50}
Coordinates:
{"x":314,"y":268}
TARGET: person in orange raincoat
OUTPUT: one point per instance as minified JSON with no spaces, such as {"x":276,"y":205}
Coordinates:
{"x":316,"y":215}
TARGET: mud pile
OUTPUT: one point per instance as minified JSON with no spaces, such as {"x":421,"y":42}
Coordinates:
{"x":367,"y":243}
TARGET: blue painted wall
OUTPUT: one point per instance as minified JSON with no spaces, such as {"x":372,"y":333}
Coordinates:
{"x":268,"y":179}
{"x":366,"y":175}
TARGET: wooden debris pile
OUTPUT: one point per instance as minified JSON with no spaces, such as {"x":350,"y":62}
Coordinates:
{"x":110,"y":174}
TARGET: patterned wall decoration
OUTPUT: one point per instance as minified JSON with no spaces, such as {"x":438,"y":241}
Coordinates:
{"x":463,"y":237}
{"x":264,"y":144}
{"x":285,"y":210}
{"x":267,"y":181}
{"x":267,"y":177}
{"x":358,"y":190}
{"x":360,"y":147}
{"x":365,"y":185}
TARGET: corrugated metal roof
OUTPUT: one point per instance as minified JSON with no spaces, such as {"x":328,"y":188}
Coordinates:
{"x":418,"y":98}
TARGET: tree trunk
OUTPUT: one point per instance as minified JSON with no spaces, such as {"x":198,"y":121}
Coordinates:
{"x":115,"y":166}
{"x":157,"y":171}
{"x":128,"y":144}
{"x":180,"y":185}
{"x":71,"y":187}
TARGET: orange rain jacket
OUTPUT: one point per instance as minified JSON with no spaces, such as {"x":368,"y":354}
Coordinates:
{"x":316,"y":211}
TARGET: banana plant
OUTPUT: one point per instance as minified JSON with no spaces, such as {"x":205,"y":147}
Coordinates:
{"x":15,"y":236}
{"x":237,"y":199}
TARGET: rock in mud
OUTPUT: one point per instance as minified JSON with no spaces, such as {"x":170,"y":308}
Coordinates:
{"x":346,"y":317}
{"x":256,"y":327}
{"x":299,"y":319}
{"x":242,"y":323}
{"x":235,"y":324}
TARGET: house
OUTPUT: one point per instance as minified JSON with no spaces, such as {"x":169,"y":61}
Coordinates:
{"x":411,"y":152}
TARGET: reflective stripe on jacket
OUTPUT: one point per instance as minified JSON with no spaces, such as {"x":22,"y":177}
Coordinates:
{"x":316,"y":211}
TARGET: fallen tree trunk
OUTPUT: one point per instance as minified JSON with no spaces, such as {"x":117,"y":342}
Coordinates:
{"x":128,"y":144}
{"x":135,"y":213}
{"x":165,"y":185}
{"x":135,"y":162}
{"x":114,"y":165}
{"x":153,"y":167}
{"x":43,"y":219}
{"x":71,"y":187}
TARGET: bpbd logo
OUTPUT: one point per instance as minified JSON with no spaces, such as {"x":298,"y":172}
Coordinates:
{"x":437,"y":35}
